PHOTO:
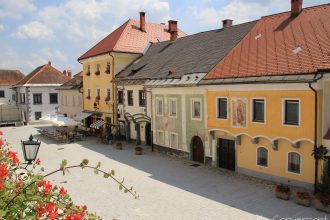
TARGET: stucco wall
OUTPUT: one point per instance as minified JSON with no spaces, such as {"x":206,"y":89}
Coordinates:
{"x":8,"y":99}
{"x":70,"y":102}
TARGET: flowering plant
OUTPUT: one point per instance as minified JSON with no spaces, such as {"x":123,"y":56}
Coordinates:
{"x":88,"y":97}
{"x":97,"y":73}
{"x":88,"y":73}
{"x":27,"y":194}
{"x":324,"y":199}
{"x":303,"y":195}
{"x":107,"y":99}
{"x":282,"y":189}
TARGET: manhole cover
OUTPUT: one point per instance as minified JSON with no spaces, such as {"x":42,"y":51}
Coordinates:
{"x":195,"y":165}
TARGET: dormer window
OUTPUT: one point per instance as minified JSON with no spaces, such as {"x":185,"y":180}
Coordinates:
{"x":108,"y":68}
{"x":98,"y":67}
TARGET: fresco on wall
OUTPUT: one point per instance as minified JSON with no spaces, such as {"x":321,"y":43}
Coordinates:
{"x":239,"y":112}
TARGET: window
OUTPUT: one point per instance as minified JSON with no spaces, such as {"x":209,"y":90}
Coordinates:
{"x":65,"y":100}
{"x":98,"y":68}
{"x":98,"y":93}
{"x":53,"y":98}
{"x":37,"y":99}
{"x":142,"y":98}
{"x":73,"y":101}
{"x":130,"y":98}
{"x":196,"y":109}
{"x":89,"y":68}
{"x":2,"y":94}
{"x":37,"y":115}
{"x":22,"y":97}
{"x":88,"y":92}
{"x":262,"y":156}
{"x":222,"y":108}
{"x":160,"y":137}
{"x":258,"y":110}
{"x":294,"y":162}
{"x":108,"y":93}
{"x":120,"y":97}
{"x":172,"y":107}
{"x":291,"y":112}
{"x":174,"y":140}
{"x":108,"y":68}
{"x":14,"y":97}
{"x":159,"y":106}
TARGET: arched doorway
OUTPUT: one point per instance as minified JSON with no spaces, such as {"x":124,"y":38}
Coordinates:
{"x":148,"y":133}
{"x":197,"y":149}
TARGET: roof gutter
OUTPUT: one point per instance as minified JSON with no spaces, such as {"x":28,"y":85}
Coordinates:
{"x":315,"y":128}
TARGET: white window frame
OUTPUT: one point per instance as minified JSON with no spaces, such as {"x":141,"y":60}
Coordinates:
{"x":177,"y":140}
{"x":163,"y":134}
{"x":89,"y":68}
{"x":217,"y":108}
{"x":156,"y":104}
{"x":283,"y":112}
{"x":106,"y":92}
{"x":192,"y":109}
{"x":98,"y":67}
{"x":98,"y":92}
{"x":287,"y":163}
{"x":252,"y":109}
{"x":170,"y":100}
{"x":89,"y":92}
{"x":258,"y":158}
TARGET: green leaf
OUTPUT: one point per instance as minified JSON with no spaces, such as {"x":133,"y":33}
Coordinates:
{"x":96,"y":171}
{"x":112,"y":172}
{"x":64,"y":162}
{"x":98,"y":165}
{"x":120,"y":187}
{"x":84,"y":163}
{"x":125,"y":191}
{"x":106,"y":175}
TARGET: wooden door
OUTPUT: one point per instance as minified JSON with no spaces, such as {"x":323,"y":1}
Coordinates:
{"x":227,"y":158}
{"x":198,"y":149}
{"x":148,"y":133}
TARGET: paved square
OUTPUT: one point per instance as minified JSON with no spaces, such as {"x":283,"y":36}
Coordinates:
{"x":169,"y":188}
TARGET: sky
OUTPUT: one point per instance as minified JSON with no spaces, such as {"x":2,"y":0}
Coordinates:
{"x":33,"y":32}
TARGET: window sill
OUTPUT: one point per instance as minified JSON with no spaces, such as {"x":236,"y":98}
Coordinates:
{"x":37,"y":103}
{"x":53,"y":103}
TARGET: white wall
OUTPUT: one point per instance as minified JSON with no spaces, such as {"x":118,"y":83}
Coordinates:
{"x":8,"y":99}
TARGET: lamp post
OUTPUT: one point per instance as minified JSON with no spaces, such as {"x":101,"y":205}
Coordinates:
{"x":30,"y":149}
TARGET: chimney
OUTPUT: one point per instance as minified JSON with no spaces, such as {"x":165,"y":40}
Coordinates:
{"x":70,"y":73}
{"x":227,"y":23}
{"x":64,"y":72}
{"x":49,"y":63}
{"x":174,"y":35}
{"x":172,"y":26}
{"x":296,"y":7}
{"x":143,"y":21}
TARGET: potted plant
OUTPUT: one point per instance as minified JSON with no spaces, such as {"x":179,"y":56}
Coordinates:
{"x":138,"y":151}
{"x":98,"y":98}
{"x":119,"y":146}
{"x":303,"y":198}
{"x":97,"y":73}
{"x":88,"y":73}
{"x":88,"y":97}
{"x":322,"y":198}
{"x":282,"y":192}
{"x":107,"y":99}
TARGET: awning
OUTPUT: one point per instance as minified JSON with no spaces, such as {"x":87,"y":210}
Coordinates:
{"x":81,"y":116}
{"x":98,"y":124}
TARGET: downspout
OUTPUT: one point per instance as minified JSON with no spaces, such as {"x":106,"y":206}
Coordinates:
{"x":315,"y":128}
{"x":151,"y":117}
{"x":113,"y":91}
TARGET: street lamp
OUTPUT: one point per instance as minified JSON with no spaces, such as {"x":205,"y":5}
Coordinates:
{"x":30,"y":149}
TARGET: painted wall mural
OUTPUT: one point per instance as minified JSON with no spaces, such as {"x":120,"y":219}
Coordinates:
{"x":239,"y":112}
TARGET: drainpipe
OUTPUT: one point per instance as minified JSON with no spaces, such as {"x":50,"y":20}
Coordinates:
{"x":315,"y":129}
{"x":114,"y":114}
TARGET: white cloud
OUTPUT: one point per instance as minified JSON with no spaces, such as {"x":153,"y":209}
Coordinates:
{"x":15,"y":9}
{"x":34,"y":30}
{"x":26,"y":62}
{"x":2,"y":27}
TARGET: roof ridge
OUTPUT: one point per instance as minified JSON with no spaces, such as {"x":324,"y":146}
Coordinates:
{"x":42,"y":67}
{"x":284,"y":12}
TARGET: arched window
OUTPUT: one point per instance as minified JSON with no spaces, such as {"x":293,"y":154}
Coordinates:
{"x":294,"y":162}
{"x":262,"y":157}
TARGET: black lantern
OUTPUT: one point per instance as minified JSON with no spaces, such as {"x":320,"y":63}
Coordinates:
{"x":30,"y":149}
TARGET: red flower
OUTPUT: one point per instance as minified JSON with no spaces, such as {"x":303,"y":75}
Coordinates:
{"x":63,"y":191}
{"x":75,"y":217}
{"x":3,"y":171}
{"x":37,"y":161}
{"x":1,"y":133}
{"x":47,"y":187}
{"x":13,"y":156}
{"x":1,"y":143}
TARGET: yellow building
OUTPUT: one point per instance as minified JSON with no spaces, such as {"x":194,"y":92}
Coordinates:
{"x":268,"y":99}
{"x":112,"y":54}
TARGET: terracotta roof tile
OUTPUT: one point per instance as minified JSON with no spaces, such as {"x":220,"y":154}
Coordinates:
{"x":74,"y":83}
{"x":10,"y":77}
{"x":279,"y":44}
{"x":45,"y":74}
{"x":130,"y":39}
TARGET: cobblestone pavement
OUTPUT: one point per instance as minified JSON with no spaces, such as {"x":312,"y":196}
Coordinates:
{"x":169,"y":188}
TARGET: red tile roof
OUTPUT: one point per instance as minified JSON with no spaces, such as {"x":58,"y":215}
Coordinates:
{"x":10,"y":77}
{"x":45,"y":74}
{"x":129,"y":38}
{"x":279,"y":45}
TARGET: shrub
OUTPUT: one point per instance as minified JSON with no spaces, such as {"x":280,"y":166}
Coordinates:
{"x":282,"y":189}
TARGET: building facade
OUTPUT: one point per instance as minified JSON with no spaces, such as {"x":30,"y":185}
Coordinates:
{"x":8,"y":78}
{"x":37,"y":94}
{"x":115,"y":52}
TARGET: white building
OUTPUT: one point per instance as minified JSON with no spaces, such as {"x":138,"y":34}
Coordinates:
{"x":8,"y":78}
{"x":37,"y":94}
